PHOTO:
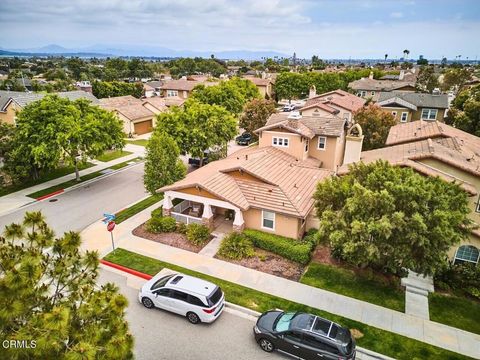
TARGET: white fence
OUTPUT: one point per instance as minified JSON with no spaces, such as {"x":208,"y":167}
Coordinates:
{"x":186,"y":219}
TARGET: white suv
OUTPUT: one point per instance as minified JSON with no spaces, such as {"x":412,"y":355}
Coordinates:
{"x":197,"y":299}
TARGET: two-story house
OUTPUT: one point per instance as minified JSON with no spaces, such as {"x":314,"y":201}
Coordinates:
{"x":268,"y":187}
{"x":181,"y":88}
{"x":409,"y":106}
{"x":370,"y":87}
{"x":432,"y":148}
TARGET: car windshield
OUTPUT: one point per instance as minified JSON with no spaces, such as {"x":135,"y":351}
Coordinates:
{"x":283,"y":321}
{"x":161,"y":282}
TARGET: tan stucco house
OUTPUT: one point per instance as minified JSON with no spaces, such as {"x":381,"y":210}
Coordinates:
{"x":435,"y":149}
{"x":181,"y":88}
{"x":268,"y":187}
{"x":263,"y":84}
{"x":409,"y":106}
{"x":369,"y":87}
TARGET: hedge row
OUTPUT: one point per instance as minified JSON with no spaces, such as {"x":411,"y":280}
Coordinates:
{"x":292,"y":249}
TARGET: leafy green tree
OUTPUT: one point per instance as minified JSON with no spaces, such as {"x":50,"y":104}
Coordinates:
{"x":391,"y":218}
{"x":104,"y":89}
{"x":56,"y":129}
{"x":455,"y":77}
{"x":49,"y":295}
{"x":198,"y":127}
{"x":376,"y":124}
{"x":162,"y":165}
{"x":465,"y":111}
{"x":291,"y":86}
{"x":427,"y":79}
{"x":255,"y":114}
{"x":231,"y":94}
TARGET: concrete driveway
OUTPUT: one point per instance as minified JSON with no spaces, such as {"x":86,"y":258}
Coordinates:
{"x":162,"y":335}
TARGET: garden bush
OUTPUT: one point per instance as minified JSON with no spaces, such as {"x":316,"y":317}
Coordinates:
{"x":158,"y":212}
{"x":464,"y":278}
{"x":181,"y":228}
{"x":236,"y":246}
{"x":292,"y":249}
{"x":161,"y":224}
{"x":197,"y":234}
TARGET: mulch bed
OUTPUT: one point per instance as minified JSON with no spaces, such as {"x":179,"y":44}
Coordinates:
{"x":271,"y":264}
{"x":172,"y":239}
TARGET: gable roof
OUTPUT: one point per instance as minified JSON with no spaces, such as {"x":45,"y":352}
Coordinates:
{"x":117,"y":101}
{"x":307,"y":126}
{"x":129,"y":106}
{"x":22,"y":99}
{"x":338,"y":98}
{"x":417,"y":99}
{"x":285,"y":184}
{"x":135,"y":112}
{"x":379,"y":85}
{"x":395,"y":100}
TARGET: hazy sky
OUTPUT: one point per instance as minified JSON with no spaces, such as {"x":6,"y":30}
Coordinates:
{"x":329,"y":28}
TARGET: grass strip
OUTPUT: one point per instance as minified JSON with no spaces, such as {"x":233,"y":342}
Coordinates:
{"x":54,"y":174}
{"x":140,"y":142}
{"x":73,"y":182}
{"x":348,"y":283}
{"x":455,"y":311}
{"x":136,"y":208}
{"x":112,"y":155}
{"x":381,"y":341}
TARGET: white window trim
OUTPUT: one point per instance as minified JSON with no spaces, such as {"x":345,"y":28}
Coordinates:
{"x":406,"y":117}
{"x":171,"y":93}
{"x":274,"y":218}
{"x":470,"y":261}
{"x":318,"y":143}
{"x":283,"y":141}
{"x":429,"y":112}
{"x":363,"y":93}
{"x":372,"y":93}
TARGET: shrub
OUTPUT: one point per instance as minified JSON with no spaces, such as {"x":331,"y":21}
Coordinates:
{"x":461,"y":277}
{"x":197,"y":234}
{"x":161,"y":224}
{"x":181,"y":228}
{"x":311,"y":237}
{"x":289,"y":248}
{"x":158,"y":212}
{"x":236,"y":246}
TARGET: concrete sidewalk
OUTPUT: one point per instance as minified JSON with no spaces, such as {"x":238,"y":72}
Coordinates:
{"x":19,"y":198}
{"x":96,"y":237}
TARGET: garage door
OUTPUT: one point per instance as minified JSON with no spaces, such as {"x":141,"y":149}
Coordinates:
{"x":142,"y":127}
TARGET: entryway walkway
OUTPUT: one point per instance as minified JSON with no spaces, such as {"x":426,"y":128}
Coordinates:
{"x":417,"y":288}
{"x":212,"y":247}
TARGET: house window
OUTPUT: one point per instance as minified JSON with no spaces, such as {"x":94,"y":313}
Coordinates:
{"x":394,"y":113}
{"x":372,"y":93}
{"x":429,"y":114}
{"x":172,"y":93}
{"x":467,"y":253}
{"x":306,"y":144}
{"x":404,"y":117}
{"x":363,"y":93}
{"x":268,"y":220}
{"x":322,"y":143}
{"x":280,"y":142}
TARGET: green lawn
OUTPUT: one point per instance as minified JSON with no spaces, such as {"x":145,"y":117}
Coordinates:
{"x":136,"y":208}
{"x":348,"y":283}
{"x":112,"y":155}
{"x":455,"y":311}
{"x":54,"y":174}
{"x":73,"y":182}
{"x":373,"y":338}
{"x":141,"y":142}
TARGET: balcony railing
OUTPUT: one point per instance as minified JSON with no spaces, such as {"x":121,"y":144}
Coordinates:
{"x":178,"y":215}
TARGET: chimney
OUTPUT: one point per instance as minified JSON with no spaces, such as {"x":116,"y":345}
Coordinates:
{"x":353,"y":145}
{"x":402,"y":75}
{"x":371,"y":75}
{"x":313,"y":92}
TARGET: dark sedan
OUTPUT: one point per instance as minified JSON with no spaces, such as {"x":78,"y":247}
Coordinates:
{"x":304,"y":336}
{"x":244,"y":139}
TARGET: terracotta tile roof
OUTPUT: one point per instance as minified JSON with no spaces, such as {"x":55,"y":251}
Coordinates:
{"x":258,"y":81}
{"x":157,"y":102}
{"x":135,"y":112}
{"x":285,"y":184}
{"x":338,"y":98}
{"x":378,"y":85}
{"x":117,"y":101}
{"x":307,"y":126}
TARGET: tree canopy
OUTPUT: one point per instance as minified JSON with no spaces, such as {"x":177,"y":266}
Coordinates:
{"x":162,"y":163}
{"x":391,"y":218}
{"x":255,"y":114}
{"x":48,"y":294}
{"x":376,"y":124}
{"x":104,"y":89}
{"x":465,"y":111}
{"x":427,"y":79}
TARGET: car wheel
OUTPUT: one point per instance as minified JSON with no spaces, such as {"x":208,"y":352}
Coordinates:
{"x":147,"y":302}
{"x":266,"y":345}
{"x":193,"y":318}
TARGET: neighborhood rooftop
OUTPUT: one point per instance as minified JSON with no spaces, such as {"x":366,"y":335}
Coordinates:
{"x":23,"y":98}
{"x":421,"y":100}
{"x":337,"y":98}
{"x":379,"y":85}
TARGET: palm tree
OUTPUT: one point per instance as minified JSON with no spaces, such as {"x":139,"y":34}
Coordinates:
{"x":405,"y":54}
{"x":386,"y":56}
{"x":33,"y":218}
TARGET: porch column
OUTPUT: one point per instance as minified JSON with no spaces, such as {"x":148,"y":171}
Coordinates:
{"x":238,"y":223}
{"x":167,"y":205}
{"x":207,"y":216}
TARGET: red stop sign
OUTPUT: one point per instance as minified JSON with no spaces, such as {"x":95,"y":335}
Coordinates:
{"x":111,"y":226}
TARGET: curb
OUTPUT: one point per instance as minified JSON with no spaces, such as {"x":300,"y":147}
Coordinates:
{"x":50,"y":195}
{"x":371,"y":354}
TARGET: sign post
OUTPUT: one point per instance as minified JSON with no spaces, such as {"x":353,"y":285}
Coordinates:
{"x":110,"y":221}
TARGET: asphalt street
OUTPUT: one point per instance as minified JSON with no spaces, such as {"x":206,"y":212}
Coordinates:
{"x":163,"y":335}
{"x":78,"y":208}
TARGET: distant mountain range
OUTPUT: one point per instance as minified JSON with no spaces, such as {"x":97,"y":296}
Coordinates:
{"x":136,"y":50}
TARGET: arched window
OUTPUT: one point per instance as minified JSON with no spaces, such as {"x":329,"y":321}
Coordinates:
{"x":467,"y":253}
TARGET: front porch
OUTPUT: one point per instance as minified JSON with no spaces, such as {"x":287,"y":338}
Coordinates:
{"x":217,"y":215}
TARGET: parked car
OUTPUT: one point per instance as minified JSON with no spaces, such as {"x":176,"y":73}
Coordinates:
{"x":305,"y":336}
{"x":244,"y":139}
{"x":195,"y":161}
{"x":197,"y":299}
{"x":288,"y":107}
